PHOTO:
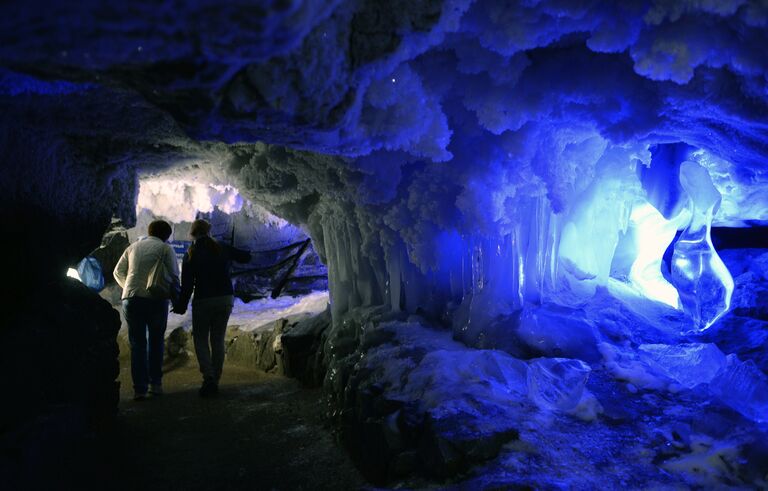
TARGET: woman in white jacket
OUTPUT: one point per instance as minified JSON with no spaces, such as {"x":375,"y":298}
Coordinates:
{"x":145,"y":311}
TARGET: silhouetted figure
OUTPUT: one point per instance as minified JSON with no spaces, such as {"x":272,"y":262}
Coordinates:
{"x":206,"y":271}
{"x":146,"y":311}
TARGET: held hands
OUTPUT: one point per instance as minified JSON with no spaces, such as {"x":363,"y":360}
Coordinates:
{"x":179,"y":309}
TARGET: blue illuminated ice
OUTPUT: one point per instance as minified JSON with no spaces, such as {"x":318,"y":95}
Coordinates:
{"x":702,"y":280}
{"x":744,"y":387}
{"x":688,"y":364}
{"x":557,"y":383}
{"x":653,"y":234}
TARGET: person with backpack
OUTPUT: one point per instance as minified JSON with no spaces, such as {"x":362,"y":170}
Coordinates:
{"x":205,"y":270}
{"x":148,"y":273}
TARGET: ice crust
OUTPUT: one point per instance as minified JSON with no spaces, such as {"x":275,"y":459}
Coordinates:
{"x":259,"y":314}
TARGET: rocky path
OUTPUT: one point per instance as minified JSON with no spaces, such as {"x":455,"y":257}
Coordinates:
{"x":262,"y":432}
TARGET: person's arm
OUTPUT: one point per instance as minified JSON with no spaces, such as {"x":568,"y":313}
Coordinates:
{"x":187,"y":285}
{"x":121,"y":269}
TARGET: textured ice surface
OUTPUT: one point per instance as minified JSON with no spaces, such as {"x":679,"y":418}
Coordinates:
{"x":689,"y":364}
{"x":653,"y":234}
{"x":744,"y":387}
{"x":643,"y":435}
{"x":557,"y":383}
{"x":702,"y":280}
{"x":179,"y":200}
{"x":591,"y":233}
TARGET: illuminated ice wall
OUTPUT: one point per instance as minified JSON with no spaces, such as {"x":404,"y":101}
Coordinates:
{"x":447,"y":157}
{"x":546,"y":178}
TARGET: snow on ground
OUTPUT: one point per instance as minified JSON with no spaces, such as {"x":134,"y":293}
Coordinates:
{"x":258,"y":313}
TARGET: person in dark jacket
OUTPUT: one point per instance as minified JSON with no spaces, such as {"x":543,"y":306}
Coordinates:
{"x":205,"y":270}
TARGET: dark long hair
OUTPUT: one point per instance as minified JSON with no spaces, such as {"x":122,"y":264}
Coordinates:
{"x":205,"y":242}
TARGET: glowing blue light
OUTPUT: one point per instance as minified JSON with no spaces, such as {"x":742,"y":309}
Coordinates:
{"x":653,"y":235}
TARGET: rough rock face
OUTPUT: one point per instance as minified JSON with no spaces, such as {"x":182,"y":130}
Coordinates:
{"x":60,"y":365}
{"x":292,"y":347}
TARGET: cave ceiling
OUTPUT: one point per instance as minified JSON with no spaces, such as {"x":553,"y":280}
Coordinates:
{"x":342,"y":99}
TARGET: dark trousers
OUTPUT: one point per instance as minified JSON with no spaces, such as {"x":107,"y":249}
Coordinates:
{"x":147,"y":319}
{"x":209,"y":326}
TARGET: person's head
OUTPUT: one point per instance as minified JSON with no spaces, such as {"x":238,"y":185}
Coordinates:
{"x":160,"y":229}
{"x":200,"y":228}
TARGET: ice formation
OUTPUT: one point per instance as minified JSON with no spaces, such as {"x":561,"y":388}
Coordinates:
{"x":744,"y":387}
{"x":653,"y":234}
{"x":557,"y":383}
{"x":506,"y":166}
{"x":515,"y":170}
{"x":701,"y":278}
{"x":178,"y":200}
{"x":688,"y":364}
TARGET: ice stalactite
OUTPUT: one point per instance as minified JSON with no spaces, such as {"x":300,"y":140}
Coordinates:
{"x":507,"y":272}
{"x":354,"y":278}
{"x":704,"y":283}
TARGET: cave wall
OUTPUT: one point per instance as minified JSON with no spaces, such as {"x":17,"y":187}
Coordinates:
{"x":425,"y":128}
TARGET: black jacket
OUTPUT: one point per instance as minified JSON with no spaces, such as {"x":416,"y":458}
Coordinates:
{"x":206,"y":269}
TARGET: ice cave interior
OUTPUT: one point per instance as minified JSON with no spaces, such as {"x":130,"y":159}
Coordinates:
{"x":541,"y":224}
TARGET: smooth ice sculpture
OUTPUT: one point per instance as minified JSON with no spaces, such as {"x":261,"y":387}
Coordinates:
{"x":688,"y":364}
{"x":557,"y":383}
{"x":702,"y":280}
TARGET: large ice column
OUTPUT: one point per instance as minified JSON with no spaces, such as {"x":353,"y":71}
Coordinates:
{"x":704,"y":283}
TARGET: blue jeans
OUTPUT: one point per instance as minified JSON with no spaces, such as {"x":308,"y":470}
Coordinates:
{"x":209,"y":327}
{"x":146,"y":315}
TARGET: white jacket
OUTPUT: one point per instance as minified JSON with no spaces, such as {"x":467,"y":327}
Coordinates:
{"x":132,"y":270}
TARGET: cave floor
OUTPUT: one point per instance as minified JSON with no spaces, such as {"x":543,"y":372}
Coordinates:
{"x":263,"y":431}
